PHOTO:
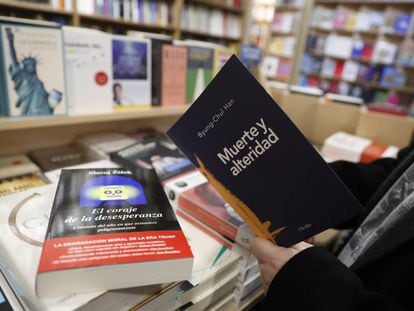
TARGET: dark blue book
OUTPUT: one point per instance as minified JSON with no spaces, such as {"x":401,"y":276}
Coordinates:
{"x":257,"y":159}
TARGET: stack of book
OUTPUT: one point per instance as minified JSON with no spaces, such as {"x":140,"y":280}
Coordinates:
{"x":30,"y":214}
{"x":345,"y":146}
{"x":194,"y":200}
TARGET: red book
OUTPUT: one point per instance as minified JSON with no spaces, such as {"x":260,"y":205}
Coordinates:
{"x":173,"y":77}
{"x":109,"y":229}
{"x":205,"y":203}
{"x":339,"y":68}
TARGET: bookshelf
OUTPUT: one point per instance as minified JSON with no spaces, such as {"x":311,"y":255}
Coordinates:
{"x":83,"y":13}
{"x":375,"y":35}
{"x":23,"y":135}
{"x":285,"y":42}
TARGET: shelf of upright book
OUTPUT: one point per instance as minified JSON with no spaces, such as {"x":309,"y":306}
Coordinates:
{"x":223,"y":19}
{"x":361,"y":49}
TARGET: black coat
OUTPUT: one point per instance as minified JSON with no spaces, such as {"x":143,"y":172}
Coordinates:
{"x":381,"y":279}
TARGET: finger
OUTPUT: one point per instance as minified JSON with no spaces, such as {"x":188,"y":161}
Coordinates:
{"x":301,"y":246}
{"x":263,"y":249}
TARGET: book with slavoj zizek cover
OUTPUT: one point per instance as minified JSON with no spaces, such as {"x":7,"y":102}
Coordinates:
{"x":259,"y":162}
{"x":108,"y":229}
{"x":131,"y":72}
{"x":32,"y":64}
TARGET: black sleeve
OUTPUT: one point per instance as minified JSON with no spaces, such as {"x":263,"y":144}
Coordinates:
{"x":314,"y":280}
{"x":364,"y":179}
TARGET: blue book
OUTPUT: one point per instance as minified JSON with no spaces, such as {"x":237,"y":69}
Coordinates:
{"x":402,"y":23}
{"x":259,"y":162}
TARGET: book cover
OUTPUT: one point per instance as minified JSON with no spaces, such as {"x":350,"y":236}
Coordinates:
{"x":250,"y":56}
{"x":88,"y":71}
{"x":154,"y":151}
{"x":173,"y":76}
{"x":131,"y":72}
{"x":402,"y":22}
{"x":33,"y":67}
{"x":53,"y":158}
{"x":109,"y":229}
{"x":23,"y":223}
{"x":199,"y":70}
{"x":157,"y":55}
{"x":221,"y":55}
{"x":254,"y":156}
{"x":384,"y":52}
{"x":392,"y":77}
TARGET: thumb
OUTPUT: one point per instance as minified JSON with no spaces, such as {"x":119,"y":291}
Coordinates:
{"x":263,"y":249}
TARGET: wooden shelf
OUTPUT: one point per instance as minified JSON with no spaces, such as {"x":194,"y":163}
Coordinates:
{"x":209,"y":36}
{"x":373,"y":85}
{"x":282,"y":33}
{"x":288,"y":8}
{"x":123,"y":23}
{"x":34,"y":7}
{"x":279,"y":55}
{"x":217,"y":5}
{"x":8,"y":124}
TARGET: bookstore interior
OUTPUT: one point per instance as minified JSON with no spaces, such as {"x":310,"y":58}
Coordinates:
{"x":106,"y":107}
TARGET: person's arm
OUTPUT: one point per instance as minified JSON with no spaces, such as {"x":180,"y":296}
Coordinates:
{"x":310,"y":278}
{"x":363,"y":180}
{"x":13,"y":55}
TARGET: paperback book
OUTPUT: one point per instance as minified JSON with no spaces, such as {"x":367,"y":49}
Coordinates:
{"x":154,"y":151}
{"x":88,"y":70}
{"x":131,"y":72}
{"x":253,"y":156}
{"x":53,"y":158}
{"x":32,"y":64}
{"x":205,"y":203}
{"x":109,"y":229}
{"x":173,"y":75}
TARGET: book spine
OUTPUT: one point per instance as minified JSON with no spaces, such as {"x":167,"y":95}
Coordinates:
{"x":210,"y":232}
{"x":237,"y":234}
{"x":4,"y":97}
{"x":156,"y":71}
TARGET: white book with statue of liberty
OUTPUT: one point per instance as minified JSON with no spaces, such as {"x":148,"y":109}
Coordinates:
{"x":32,"y":65}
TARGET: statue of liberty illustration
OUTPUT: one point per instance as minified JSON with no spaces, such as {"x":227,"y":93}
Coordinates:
{"x":32,"y":98}
{"x":259,"y":228}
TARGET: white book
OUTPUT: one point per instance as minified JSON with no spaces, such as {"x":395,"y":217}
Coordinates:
{"x":384,"y":52}
{"x":345,"y":146}
{"x":131,"y":72}
{"x":88,"y":70}
{"x":269,"y":66}
{"x":338,"y":46}
{"x":350,"y":71}
{"x":85,"y":6}
{"x":23,"y":221}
